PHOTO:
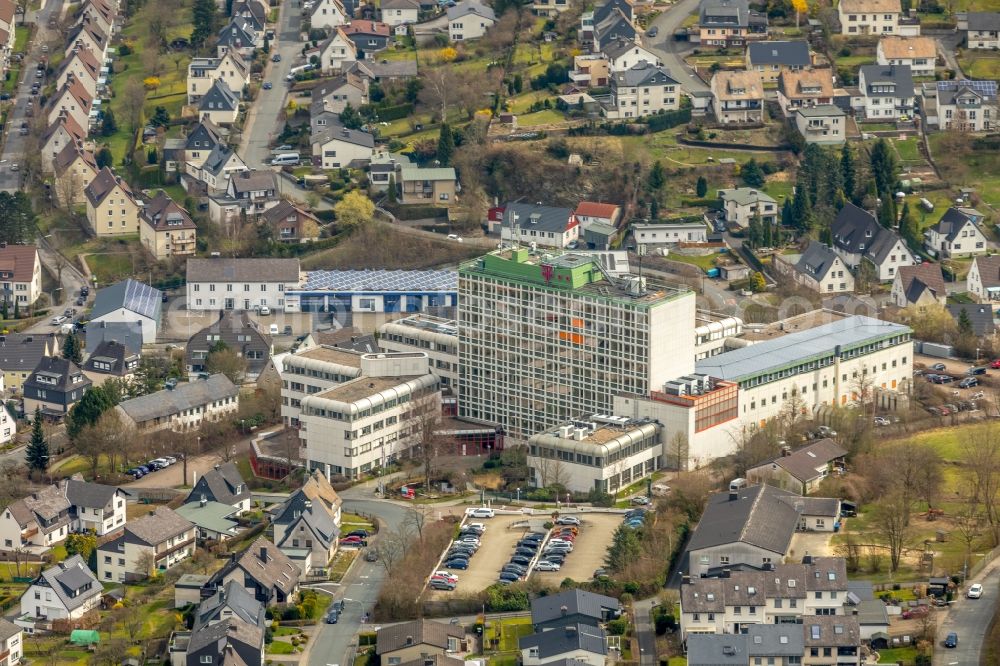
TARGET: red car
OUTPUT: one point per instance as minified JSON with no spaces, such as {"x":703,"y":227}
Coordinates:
{"x":995,"y":364}
{"x":353,"y":541}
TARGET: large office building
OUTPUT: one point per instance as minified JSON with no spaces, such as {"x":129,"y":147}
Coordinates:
{"x":376,"y":291}
{"x":435,"y":336}
{"x":311,"y":371}
{"x":546,"y":337}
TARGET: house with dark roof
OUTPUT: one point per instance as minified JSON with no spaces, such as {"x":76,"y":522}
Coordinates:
{"x":63,"y":131}
{"x":290,"y":223}
{"x":239,"y":333}
{"x":982,"y":29}
{"x":817,"y":268}
{"x":150,"y":545}
{"x":348,"y":337}
{"x":240,"y":284}
{"x":800,"y":471}
{"x":857,"y":236}
{"x":130,"y":301}
{"x":954,"y":235}
{"x":202,"y":72}
{"x":230,"y":642}
{"x":253,"y":12}
{"x":231,"y":600}
{"x":20,"y":274}
{"x":983,"y":279}
{"x":730,"y":23}
{"x":330,"y":98}
{"x":94,"y":506}
{"x":962,"y":105}
{"x":219,"y":104}
{"x":165,"y":229}
{"x":624,"y":54}
{"x":556,"y":611}
{"x":112,"y":207}
{"x":223,"y":484}
{"x":769,"y":58}
{"x":919,"y":285}
{"x":73,"y":168}
{"x":887,"y":91}
{"x":979,"y":316}
{"x":582,"y":642}
{"x":368,"y":36}
{"x":36,"y":522}
{"x":608,"y":23}
{"x":198,"y":145}
{"x":250,"y":193}
{"x":20,"y":354}
{"x":469,"y":19}
{"x":54,"y":387}
{"x":644,"y":89}
{"x":11,"y":642}
{"x":185,"y":407}
{"x":219,"y":167}
{"x":263,"y":570}
{"x":404,"y":642}
{"x":66,"y":591}
{"x":307,"y":524}
{"x":336,"y":147}
{"x":546,"y":226}
{"x":110,"y":359}
{"x":238,"y":35}
{"x":770,"y":644}
{"x":127,"y":333}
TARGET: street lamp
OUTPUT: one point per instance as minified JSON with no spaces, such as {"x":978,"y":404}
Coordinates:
{"x":518,"y":494}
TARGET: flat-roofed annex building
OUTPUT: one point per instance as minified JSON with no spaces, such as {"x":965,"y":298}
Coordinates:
{"x":435,"y":336}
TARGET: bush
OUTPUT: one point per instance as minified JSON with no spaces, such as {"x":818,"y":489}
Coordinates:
{"x":668,"y":119}
{"x":506,"y":598}
{"x":618,"y":627}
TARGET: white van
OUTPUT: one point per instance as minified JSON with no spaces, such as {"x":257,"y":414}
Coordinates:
{"x":286,"y":159}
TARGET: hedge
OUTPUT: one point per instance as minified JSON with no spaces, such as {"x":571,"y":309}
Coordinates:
{"x":669,"y":119}
{"x":397,"y":112}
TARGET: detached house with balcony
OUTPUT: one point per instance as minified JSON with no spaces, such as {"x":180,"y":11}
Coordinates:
{"x":338,"y":52}
{"x":203,"y":72}
{"x":806,"y":88}
{"x":742,"y":204}
{"x":966,"y":106}
{"x":249,"y":192}
{"x":54,"y":387}
{"x":769,"y":58}
{"x":152,"y":544}
{"x":737,"y":97}
{"x":547,"y":226}
{"x":64,"y":592}
{"x":624,"y":54}
{"x":20,"y":278}
{"x":869,"y":17}
{"x":918,"y":53}
{"x":887,"y":91}
{"x":93,"y":506}
{"x":427,"y":185}
{"x":954,"y":235}
{"x":726,"y":23}
{"x":112,"y":209}
{"x":37,"y":522}
{"x":165,"y":229}
{"x":982,"y":29}
{"x":857,"y":236}
{"x":643,"y":90}
{"x":337,"y":147}
{"x":823,"y":124}
{"x":290,"y":223}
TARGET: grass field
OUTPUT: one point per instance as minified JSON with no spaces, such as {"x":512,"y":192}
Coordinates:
{"x":906,"y":656}
{"x":507,"y":632}
{"x":546,"y":117}
{"x":980,"y":64}
{"x":704,"y":263}
{"x":908,"y":149}
{"x":966,"y":165}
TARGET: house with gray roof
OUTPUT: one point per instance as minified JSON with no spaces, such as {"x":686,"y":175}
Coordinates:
{"x":545,"y":226}
{"x":316,"y":494}
{"x":468,"y":20}
{"x":769,"y":58}
{"x":54,"y":387}
{"x":967,"y":106}
{"x":642,"y":90}
{"x":130,"y":301}
{"x":336,"y":147}
{"x":240,"y":284}
{"x":436,"y":186}
{"x":555,"y":611}
{"x":743,"y":204}
{"x":215,"y":521}
{"x":729,"y":23}
{"x":66,"y":591}
{"x":979,"y":316}
{"x":982,"y":29}
{"x":223,"y":484}
{"x":220,"y":104}
{"x":239,"y":35}
{"x":220,"y":165}
{"x":582,"y":642}
{"x":313,"y":529}
{"x":817,"y":268}
{"x":823,"y":124}
{"x":127,"y":333}
{"x":20,"y":354}
{"x":782,"y":644}
{"x":802,"y":470}
{"x":887,"y":91}
{"x":94,"y":506}
{"x":394,"y":70}
{"x":611,"y":22}
{"x":857,"y":236}
{"x":185,"y":407}
{"x":232,"y":600}
{"x":230,"y":642}
{"x":110,"y":359}
{"x":152,"y":544}
{"x":400,"y":643}
{"x":36,"y":522}
{"x":239,"y":333}
{"x":718,"y":650}
{"x":954,"y":235}
{"x":266,"y":573}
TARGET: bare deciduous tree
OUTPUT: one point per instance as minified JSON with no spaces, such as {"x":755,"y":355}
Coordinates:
{"x":133,"y":100}
{"x":981,"y":454}
{"x":891,"y":520}
{"x":678,"y":451}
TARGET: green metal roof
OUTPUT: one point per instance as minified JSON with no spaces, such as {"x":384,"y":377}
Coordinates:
{"x":214,"y":516}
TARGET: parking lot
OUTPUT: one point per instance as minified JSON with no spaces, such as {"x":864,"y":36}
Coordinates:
{"x":589,"y":549}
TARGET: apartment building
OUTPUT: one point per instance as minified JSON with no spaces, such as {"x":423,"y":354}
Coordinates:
{"x":434,"y":336}
{"x":112,"y":208}
{"x":150,"y":545}
{"x":643,"y":90}
{"x":20,"y":274}
{"x":185,"y":407}
{"x":966,"y":106}
{"x":313,"y":371}
{"x":869,"y":17}
{"x":240,"y":284}
{"x":546,"y":337}
{"x":769,"y":58}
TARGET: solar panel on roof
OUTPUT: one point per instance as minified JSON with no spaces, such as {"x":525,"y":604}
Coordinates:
{"x":381,"y":280}
{"x":141,"y":298}
{"x":987,"y":88}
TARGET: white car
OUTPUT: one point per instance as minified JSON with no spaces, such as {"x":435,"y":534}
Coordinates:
{"x":446,"y":575}
{"x":57,"y":321}
{"x":547,"y":566}
{"x":567,"y":520}
{"x":482,"y":512}
{"x":264,"y":311}
{"x":975,"y":591}
{"x":478,"y":527}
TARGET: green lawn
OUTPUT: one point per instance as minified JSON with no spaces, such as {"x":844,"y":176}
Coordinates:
{"x":13,"y":76}
{"x":905,"y":656}
{"x":980,"y":64}
{"x":855,"y":61}
{"x":508,"y":631}
{"x":111,"y":267}
{"x":280,"y":647}
{"x":546,"y":117}
{"x":704,"y":263}
{"x":876,"y":127}
{"x":908,"y":149}
{"x":21,"y":35}
{"x":972,"y":168}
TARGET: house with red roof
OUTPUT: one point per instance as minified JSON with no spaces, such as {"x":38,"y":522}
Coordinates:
{"x":589,"y":212}
{"x":368,"y":36}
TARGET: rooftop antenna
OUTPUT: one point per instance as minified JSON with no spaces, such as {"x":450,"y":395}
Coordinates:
{"x":515,"y":230}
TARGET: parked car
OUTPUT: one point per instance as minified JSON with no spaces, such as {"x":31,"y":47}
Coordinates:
{"x":640,"y":500}
{"x":267,"y":85}
{"x":442,"y":585}
{"x":968,"y":382}
{"x":509,"y":577}
{"x":951,"y":641}
{"x":526,"y":552}
{"x":332,"y":617}
{"x":170,"y":460}
{"x":264,"y":311}
{"x":934,"y":410}
{"x":276,"y":57}
{"x":975,"y":591}
{"x":358,"y":533}
{"x":476,"y":527}
{"x":546,"y":565}
{"x":653,"y":32}
{"x":881,"y":421}
{"x":939,"y":367}
{"x":826,"y":431}
{"x":981,"y":370}
{"x":456,"y":564}
{"x":567,"y":520}
{"x":514,"y":568}
{"x":58,"y":320}
{"x":482,"y":512}
{"x":555,"y":558}
{"x":943,"y":379}
{"x":995,"y":364}
{"x":445,"y":574}
{"x":521,"y":559}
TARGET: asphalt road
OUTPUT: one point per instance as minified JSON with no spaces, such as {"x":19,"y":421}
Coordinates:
{"x":669,"y":50}
{"x":970,"y":619}
{"x":14,"y":144}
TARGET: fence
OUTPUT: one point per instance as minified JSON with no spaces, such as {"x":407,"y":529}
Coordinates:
{"x":978,"y":567}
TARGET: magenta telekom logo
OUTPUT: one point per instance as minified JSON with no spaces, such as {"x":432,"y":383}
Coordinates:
{"x":547,"y":271}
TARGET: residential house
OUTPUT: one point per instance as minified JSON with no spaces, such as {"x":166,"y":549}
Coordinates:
{"x":217,"y":169}
{"x":93,"y":506}
{"x":62,"y":132}
{"x":368,"y":36}
{"x":21,"y":353}
{"x":229,"y":642}
{"x":469,"y":19}
{"x":737,"y":97}
{"x":183,"y":408}
{"x":729,"y":23}
{"x":980,"y":318}
{"x":310,"y":527}
{"x":802,"y":470}
{"x":74,"y":168}
{"x":102,"y":13}
{"x":400,"y":643}
{"x":752,"y":526}
{"x":828,"y":635}
{"x":165,"y":229}
{"x":8,"y":425}
{"x":54,"y":387}
{"x":858,"y":236}
{"x":427,"y":185}
{"x":200,"y":143}
{"x":111,"y":359}
{"x":887,"y":91}
{"x":223,"y":484}
{"x":818,"y":268}
{"x":669,"y":233}
{"x":769,"y":58}
{"x":591,"y":70}
{"x":764,"y":644}
{"x":215,"y":284}
{"x":83,"y":66}
{"x":220,"y":104}
{"x":152,"y":544}
{"x":548,"y":8}
{"x":338,"y":52}
{"x":254,"y":12}
{"x":624,"y":54}
{"x":330,"y":98}
{"x":547,"y":226}
{"x":399,"y":12}
{"x":965,"y":106}
{"x":239,"y":36}
{"x":316,"y":494}
{"x":130,"y":301}
{"x":263,"y":570}
{"x":64,"y":592}
{"x":290,"y":223}
{"x":327,"y":14}
{"x":231,"y":600}
{"x":869,"y":17}
{"x":239,"y":333}
{"x":381,"y":71}
{"x":7,"y":30}
{"x":917,"y":53}
{"x":613,"y":21}
{"x":594,"y":212}
{"x":112,"y":209}
{"x":37,"y":522}
{"x":11,"y":642}
{"x":337,"y":147}
{"x":742,"y":204}
{"x":250,"y":193}
{"x":573,"y":607}
{"x":127,"y":333}
{"x":982,"y":30}
{"x":643,"y":90}
{"x":920,"y":285}
{"x":954,"y":235}
{"x":73,"y":100}
{"x":20,"y":276}
{"x":214,"y":521}
{"x":804,"y":88}
{"x":571,"y":643}
{"x":823,"y":124}
{"x":88,"y":36}
{"x":983,"y":279}
{"x":203,"y":72}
